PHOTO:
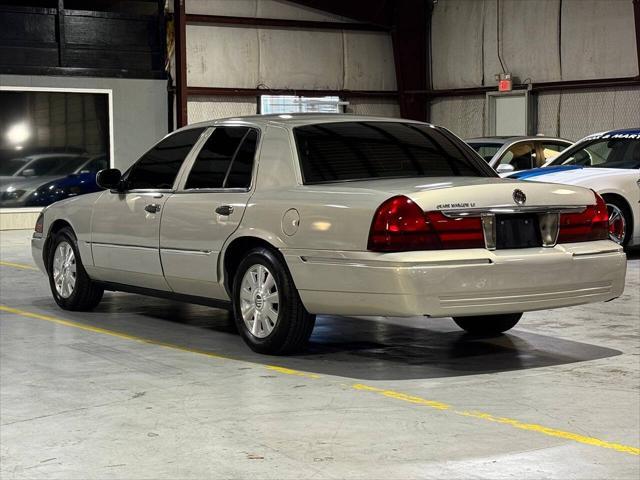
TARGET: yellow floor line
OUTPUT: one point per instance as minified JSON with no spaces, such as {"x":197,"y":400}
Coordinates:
{"x":126,"y":336}
{"x":532,"y":427}
{"x":21,"y":266}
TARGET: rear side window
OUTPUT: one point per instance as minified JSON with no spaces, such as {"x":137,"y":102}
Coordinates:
{"x":225,"y":161}
{"x":344,"y":151}
{"x":158,"y":168}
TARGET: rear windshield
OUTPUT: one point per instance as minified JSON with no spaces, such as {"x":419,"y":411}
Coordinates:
{"x":344,"y":151}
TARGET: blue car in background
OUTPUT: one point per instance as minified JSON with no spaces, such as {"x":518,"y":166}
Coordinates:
{"x":29,"y":187}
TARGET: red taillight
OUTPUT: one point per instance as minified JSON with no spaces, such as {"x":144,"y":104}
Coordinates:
{"x":39,"y":228}
{"x":590,"y":224}
{"x":401,"y":225}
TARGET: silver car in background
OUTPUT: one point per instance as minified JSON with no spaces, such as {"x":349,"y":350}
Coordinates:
{"x":511,"y":154}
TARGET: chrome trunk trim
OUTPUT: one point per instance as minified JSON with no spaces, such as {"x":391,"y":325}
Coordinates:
{"x":505,"y":209}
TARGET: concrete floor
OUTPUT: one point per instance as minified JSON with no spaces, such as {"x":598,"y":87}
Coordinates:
{"x":146,"y":388}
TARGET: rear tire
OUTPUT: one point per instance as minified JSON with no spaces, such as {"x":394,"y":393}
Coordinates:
{"x":267,"y":308}
{"x":71,"y":287}
{"x":619,"y":220}
{"x":488,"y":324}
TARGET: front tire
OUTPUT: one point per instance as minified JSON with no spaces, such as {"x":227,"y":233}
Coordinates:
{"x":267,"y":308}
{"x":71,"y":287}
{"x":489,"y":325}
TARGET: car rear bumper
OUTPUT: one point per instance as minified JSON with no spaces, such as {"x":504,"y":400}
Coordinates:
{"x":457,"y":282}
{"x":37,"y":246}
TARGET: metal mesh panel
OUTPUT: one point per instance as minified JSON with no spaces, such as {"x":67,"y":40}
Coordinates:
{"x":210,"y":108}
{"x":378,"y":107}
{"x":547,"y":114}
{"x":579,"y":113}
{"x":464,"y":116}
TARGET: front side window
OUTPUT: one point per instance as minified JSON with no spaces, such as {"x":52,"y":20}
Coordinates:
{"x":225,"y":161}
{"x":345,"y":151}
{"x":522,"y":156}
{"x":603,"y":153}
{"x":158,"y":168}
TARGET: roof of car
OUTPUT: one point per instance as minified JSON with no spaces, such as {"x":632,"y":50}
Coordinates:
{"x":509,"y":139}
{"x":298,"y":119}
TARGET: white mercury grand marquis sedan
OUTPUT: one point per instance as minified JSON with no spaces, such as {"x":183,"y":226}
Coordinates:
{"x":281,"y":218}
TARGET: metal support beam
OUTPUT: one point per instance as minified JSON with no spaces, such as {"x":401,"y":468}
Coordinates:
{"x":255,"y":92}
{"x":535,"y":87}
{"x":410,"y":37}
{"x":280,"y":23}
{"x":180,"y":28}
{"x":636,"y":17}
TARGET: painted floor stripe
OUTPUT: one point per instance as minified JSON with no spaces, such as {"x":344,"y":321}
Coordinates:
{"x":134,"y":338}
{"x":532,"y":427}
{"x":400,"y":396}
{"x":21,"y":266}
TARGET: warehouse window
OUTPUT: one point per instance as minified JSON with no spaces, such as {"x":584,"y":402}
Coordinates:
{"x":274,"y":104}
{"x":50,"y":143}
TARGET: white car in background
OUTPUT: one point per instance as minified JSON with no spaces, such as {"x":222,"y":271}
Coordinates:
{"x":608,"y":163}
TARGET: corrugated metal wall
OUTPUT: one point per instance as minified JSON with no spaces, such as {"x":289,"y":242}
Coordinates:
{"x":541,"y":41}
{"x":239,"y":57}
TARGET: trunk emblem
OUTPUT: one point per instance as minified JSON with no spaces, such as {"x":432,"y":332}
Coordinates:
{"x":519,"y":197}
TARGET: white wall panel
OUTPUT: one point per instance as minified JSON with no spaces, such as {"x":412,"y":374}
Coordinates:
{"x":290,"y":11}
{"x":464,"y":116}
{"x":259,"y":8}
{"x":210,"y":108}
{"x":368,"y":61}
{"x":222,"y":56}
{"x":374,"y":106}
{"x":232,"y":8}
{"x":310,"y":59}
{"x":457,"y":43}
{"x":598,"y":39}
{"x":529,"y":40}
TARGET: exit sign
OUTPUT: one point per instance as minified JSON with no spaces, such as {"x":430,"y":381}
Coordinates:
{"x":504,"y":85}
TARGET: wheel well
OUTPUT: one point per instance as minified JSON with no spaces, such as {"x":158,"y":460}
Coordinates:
{"x":55,"y":227}
{"x":620,"y":200}
{"x":235,"y":253}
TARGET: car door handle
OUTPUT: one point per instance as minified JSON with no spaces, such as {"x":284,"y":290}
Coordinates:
{"x":152,"y":208}
{"x":224,"y":210}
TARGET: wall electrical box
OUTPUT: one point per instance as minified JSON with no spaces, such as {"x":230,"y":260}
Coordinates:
{"x":508,"y":113}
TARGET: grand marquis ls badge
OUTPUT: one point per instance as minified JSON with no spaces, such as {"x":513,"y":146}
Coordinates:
{"x":519,"y":197}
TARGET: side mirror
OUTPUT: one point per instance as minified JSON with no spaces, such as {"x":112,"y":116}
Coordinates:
{"x":29,"y":172}
{"x":109,"y":179}
{"x":505,"y":168}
